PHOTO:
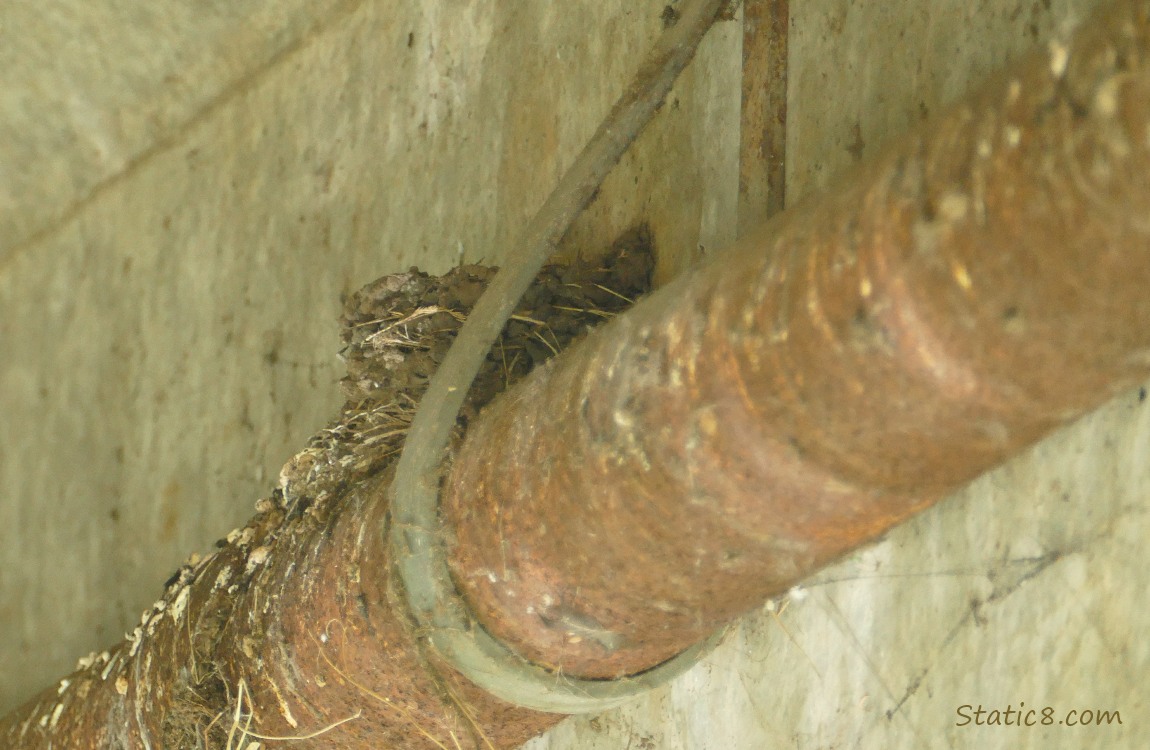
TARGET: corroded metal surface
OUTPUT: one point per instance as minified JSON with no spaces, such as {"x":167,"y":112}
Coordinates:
{"x":974,"y":288}
{"x":276,"y":635}
{"x":293,"y":627}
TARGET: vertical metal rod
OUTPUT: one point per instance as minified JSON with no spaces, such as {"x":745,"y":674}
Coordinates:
{"x":981,"y":284}
{"x":763,"y":119}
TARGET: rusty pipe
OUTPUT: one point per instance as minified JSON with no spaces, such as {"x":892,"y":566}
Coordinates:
{"x":982,"y":283}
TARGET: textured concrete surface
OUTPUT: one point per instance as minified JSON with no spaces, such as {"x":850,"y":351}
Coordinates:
{"x":861,"y":73}
{"x":93,"y":89}
{"x":184,"y":196}
{"x":168,"y":305}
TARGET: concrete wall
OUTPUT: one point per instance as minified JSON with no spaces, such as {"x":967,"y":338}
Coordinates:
{"x":185,"y":196}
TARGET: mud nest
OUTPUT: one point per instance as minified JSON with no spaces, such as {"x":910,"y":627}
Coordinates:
{"x":395,"y":331}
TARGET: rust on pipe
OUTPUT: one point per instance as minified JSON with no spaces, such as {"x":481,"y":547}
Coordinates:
{"x":288,"y":631}
{"x":982,"y":283}
{"x":846,"y":366}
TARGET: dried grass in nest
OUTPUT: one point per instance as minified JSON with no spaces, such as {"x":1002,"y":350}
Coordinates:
{"x":395,"y":331}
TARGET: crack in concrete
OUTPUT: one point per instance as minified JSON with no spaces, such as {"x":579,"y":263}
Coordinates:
{"x":244,"y":82}
{"x":1031,"y":568}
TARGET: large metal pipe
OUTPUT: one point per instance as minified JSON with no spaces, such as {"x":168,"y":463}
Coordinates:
{"x":982,"y":283}
{"x":976,"y":287}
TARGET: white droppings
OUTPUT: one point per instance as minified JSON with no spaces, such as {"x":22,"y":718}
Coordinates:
{"x":136,"y":637}
{"x":179,"y":605}
{"x":257,"y":558}
{"x":1106,"y":98}
{"x":1059,"y":57}
{"x":222,"y":579}
{"x":63,"y":686}
{"x":285,"y":709}
{"x":865,"y":288}
{"x":86,"y":661}
{"x":232,"y":536}
{"x":59,"y":709}
{"x":953,"y":206}
{"x":961,"y":276}
{"x":122,"y":685}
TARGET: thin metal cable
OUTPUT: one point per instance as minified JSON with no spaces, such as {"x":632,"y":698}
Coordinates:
{"x":419,"y":556}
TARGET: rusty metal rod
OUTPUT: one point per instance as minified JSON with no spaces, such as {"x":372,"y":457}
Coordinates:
{"x":982,"y":283}
{"x":843,"y":368}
